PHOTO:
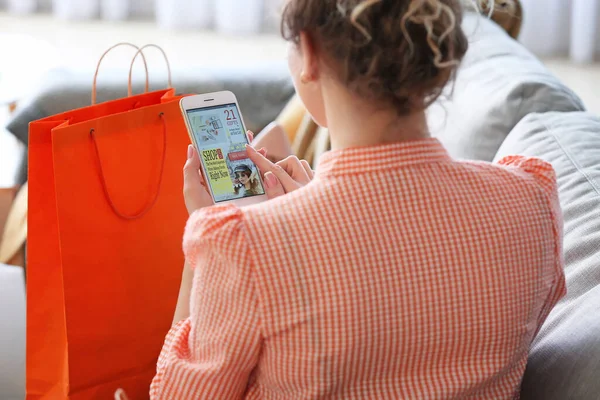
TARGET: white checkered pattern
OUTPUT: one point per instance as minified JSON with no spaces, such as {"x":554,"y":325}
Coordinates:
{"x":397,"y":273}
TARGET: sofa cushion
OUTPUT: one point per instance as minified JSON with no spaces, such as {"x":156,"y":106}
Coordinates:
{"x":565,"y":357}
{"x":498,"y":83}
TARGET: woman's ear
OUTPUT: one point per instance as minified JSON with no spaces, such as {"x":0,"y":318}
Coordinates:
{"x":310,"y":62}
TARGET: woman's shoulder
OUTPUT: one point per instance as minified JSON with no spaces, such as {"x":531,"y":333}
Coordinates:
{"x":536,"y":169}
{"x":216,"y":228}
{"x":215,"y":219}
{"x":516,"y":171}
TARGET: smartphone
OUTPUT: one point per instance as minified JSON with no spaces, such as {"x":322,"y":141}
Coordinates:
{"x":217,"y":130}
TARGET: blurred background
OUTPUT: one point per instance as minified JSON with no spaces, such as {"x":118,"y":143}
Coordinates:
{"x":37,"y":36}
{"x":191,"y":31}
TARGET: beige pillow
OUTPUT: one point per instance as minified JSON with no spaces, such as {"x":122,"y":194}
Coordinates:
{"x":498,"y":84}
{"x":14,"y":233}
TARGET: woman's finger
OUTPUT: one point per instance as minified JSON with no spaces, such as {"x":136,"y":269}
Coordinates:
{"x":308,"y":169}
{"x":264,"y":165}
{"x":250,"y":136}
{"x":272,"y":186}
{"x":295,"y":169}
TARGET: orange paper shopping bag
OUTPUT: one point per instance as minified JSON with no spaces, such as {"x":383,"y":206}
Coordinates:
{"x":106,"y":218}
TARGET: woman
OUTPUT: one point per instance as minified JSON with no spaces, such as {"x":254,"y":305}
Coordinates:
{"x":433,"y":287}
{"x":246,"y":183}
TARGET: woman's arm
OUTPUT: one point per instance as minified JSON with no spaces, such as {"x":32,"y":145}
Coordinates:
{"x":196,"y":197}
{"x":182,"y":311}
{"x":285,"y":176}
{"x":211,"y":351}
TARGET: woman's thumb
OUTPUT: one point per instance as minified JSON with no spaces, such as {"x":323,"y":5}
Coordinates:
{"x":273,"y":186}
{"x":191,"y":170}
{"x":193,"y":161}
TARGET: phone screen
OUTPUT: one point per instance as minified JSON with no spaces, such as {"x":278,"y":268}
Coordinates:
{"x":221,"y":139}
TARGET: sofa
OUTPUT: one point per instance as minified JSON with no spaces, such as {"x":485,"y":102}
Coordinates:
{"x":504,"y":102}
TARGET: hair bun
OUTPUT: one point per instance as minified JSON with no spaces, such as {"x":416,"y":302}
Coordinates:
{"x":401,"y":52}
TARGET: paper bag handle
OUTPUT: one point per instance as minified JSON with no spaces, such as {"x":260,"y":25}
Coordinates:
{"x":141,"y":52}
{"x":129,"y":85}
{"x":153,"y":201}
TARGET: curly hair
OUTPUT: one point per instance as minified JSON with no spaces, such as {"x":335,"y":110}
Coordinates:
{"x":398,"y":52}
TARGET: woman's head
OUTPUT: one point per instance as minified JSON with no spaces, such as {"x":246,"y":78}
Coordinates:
{"x":391,"y":53}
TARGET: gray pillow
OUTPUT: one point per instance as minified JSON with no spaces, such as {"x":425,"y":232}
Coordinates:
{"x":262,"y":90}
{"x":565,"y":358}
{"x":498,"y":83}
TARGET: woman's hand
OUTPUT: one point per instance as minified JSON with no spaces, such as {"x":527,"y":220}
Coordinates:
{"x":195,"y":192}
{"x":284,"y":176}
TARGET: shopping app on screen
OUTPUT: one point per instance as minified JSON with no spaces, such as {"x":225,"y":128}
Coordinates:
{"x":221,"y":142}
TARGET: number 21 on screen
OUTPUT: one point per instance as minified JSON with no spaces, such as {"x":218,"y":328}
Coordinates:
{"x":230,"y":115}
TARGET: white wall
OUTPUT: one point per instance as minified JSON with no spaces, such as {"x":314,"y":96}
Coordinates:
{"x":547,"y":26}
{"x":141,"y":9}
{"x":144,"y":10}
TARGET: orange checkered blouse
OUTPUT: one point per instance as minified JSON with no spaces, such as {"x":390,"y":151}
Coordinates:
{"x":397,"y":273}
